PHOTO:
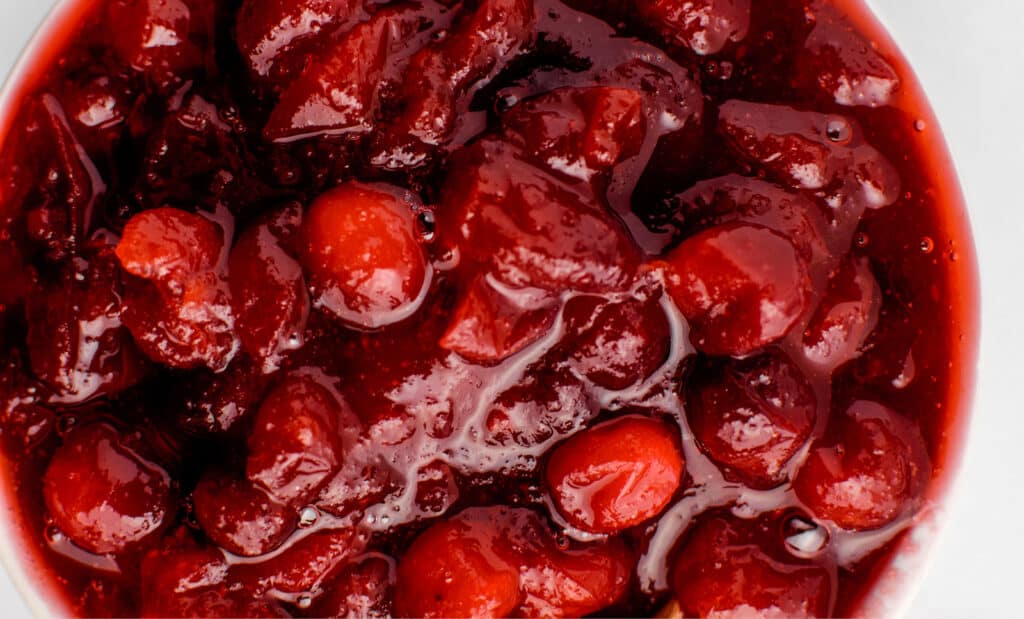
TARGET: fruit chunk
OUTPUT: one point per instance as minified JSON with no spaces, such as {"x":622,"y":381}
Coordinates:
{"x":741,"y":287}
{"x":751,"y":416}
{"x":723,"y":570}
{"x":303,"y":566}
{"x":76,"y":342}
{"x":268,"y":291}
{"x":296,"y":445}
{"x":339,"y":94}
{"x":580,"y":132}
{"x":498,"y":561}
{"x":267,"y":30}
{"x":546,"y":405}
{"x":870,"y":468}
{"x":808,"y":150}
{"x":843,"y":63}
{"x":531,"y":229}
{"x":163,"y":39}
{"x":616,"y":474}
{"x":179,"y":308}
{"x":360,"y":247}
{"x":705,"y":26}
{"x":616,"y":345}
{"x":363,"y":589}
{"x":494,"y":322}
{"x":441,"y":75}
{"x":846,"y":317}
{"x":102,"y":493}
{"x":240,"y":517}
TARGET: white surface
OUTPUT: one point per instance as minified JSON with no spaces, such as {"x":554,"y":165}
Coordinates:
{"x":971,"y":60}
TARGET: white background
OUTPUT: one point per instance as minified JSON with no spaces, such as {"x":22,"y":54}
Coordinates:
{"x":970,"y":56}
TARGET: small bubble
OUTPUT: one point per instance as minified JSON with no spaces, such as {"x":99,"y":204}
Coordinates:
{"x":553,"y":14}
{"x":439,"y":35}
{"x":804,"y":538}
{"x":308,"y":516}
{"x":953,"y":256}
{"x":66,"y":423}
{"x":505,"y":103}
{"x":53,"y":535}
{"x":426,"y":224}
{"x":861,"y":240}
{"x":927,"y":245}
{"x":562,"y":542}
{"x":838,"y":130}
{"x":920,"y":125}
{"x":304,"y":601}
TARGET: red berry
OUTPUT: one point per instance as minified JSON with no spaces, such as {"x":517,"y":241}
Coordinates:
{"x":159,"y":37}
{"x":303,"y":566}
{"x":580,"y":132}
{"x":843,"y":64}
{"x":241,"y":517}
{"x":338,"y":94}
{"x":723,"y":570}
{"x":102,"y":493}
{"x":360,"y":247}
{"x":440,"y":76}
{"x":808,"y":150}
{"x":532,"y":229}
{"x":846,"y":317}
{"x":574,"y":582}
{"x":168,"y":245}
{"x":616,"y":474}
{"x":741,"y":287}
{"x":296,"y":444}
{"x":705,"y":26}
{"x":493,"y":322}
{"x":76,"y":342}
{"x":267,"y":30}
{"x":363,"y":589}
{"x":616,"y":345}
{"x":751,"y":416}
{"x":268,"y":291}
{"x":869,"y":469}
{"x":453,"y":570}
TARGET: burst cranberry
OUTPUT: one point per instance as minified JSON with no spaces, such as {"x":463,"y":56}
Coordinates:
{"x":296,"y":444}
{"x":724,"y":571}
{"x":440,"y":76}
{"x":751,"y":416}
{"x":268,"y":291}
{"x":846,"y":316}
{"x":363,"y":589}
{"x":168,"y":245}
{"x":360,"y":246}
{"x":844,"y":64}
{"x":537,"y":231}
{"x":705,"y":26}
{"x":304,"y":565}
{"x":77,"y":345}
{"x":267,"y":30}
{"x":452,"y":570}
{"x":337,"y":95}
{"x":494,"y":322}
{"x":616,"y":345}
{"x":580,"y":132}
{"x":103,"y":493}
{"x":617,"y":474}
{"x":163,"y":39}
{"x":240,"y":517}
{"x":547,"y":405}
{"x":741,"y":287}
{"x":575,"y":582}
{"x":867,"y":472}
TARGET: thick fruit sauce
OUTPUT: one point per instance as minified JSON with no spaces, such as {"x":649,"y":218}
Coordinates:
{"x":476,"y":308}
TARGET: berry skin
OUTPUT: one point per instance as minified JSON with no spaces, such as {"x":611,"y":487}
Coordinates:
{"x":360,"y":248}
{"x":751,"y":416}
{"x":741,"y":287}
{"x":616,"y":474}
{"x":103,"y":494}
{"x":241,"y":517}
{"x":868,"y":471}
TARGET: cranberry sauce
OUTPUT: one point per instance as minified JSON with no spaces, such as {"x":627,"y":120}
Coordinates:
{"x":476,"y":308}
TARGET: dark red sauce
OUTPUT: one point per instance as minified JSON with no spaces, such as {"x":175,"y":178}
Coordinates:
{"x":503,"y":307}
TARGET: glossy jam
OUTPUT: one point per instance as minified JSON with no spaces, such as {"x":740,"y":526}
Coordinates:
{"x":509,"y":307}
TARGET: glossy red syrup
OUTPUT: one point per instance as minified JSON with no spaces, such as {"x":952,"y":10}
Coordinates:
{"x":483,"y":308}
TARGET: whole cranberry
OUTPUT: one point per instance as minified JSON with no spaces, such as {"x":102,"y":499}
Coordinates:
{"x":103,"y":493}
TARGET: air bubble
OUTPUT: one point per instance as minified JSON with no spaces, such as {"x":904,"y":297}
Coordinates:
{"x":505,"y":103}
{"x":304,"y":601}
{"x":439,"y":36}
{"x":927,"y":245}
{"x":838,"y":130}
{"x":308,"y":516}
{"x":53,"y":535}
{"x":804,"y":537}
{"x":920,"y":125}
{"x":861,"y":240}
{"x":65,"y":424}
{"x":426,"y":224}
